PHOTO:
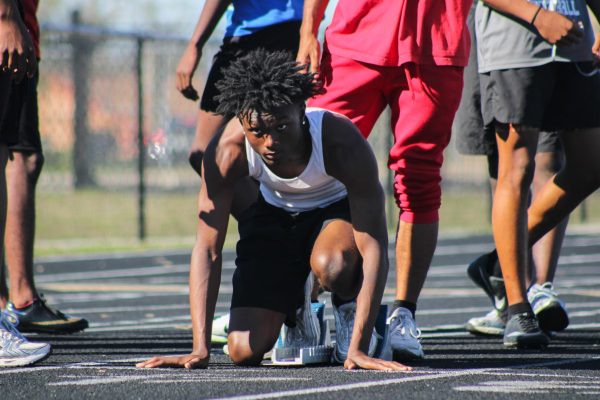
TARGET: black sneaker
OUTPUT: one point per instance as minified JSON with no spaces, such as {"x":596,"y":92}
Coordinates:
{"x":522,"y":331}
{"x":38,"y":317}
{"x":481,"y":271}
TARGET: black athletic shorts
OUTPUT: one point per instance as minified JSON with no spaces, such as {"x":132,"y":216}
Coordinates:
{"x":12,"y":98}
{"x":471,"y":135}
{"x":29,"y":133}
{"x":551,"y":97}
{"x":285,"y":36}
{"x":273,"y":255}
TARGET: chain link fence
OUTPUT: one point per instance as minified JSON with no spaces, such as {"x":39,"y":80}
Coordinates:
{"x":113,"y":124}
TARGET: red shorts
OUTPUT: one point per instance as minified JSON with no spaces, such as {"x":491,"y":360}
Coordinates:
{"x":423,"y":101}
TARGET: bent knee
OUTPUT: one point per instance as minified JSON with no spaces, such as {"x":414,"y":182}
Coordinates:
{"x":241,"y":353}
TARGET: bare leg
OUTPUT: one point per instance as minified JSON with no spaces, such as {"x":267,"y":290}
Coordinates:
{"x":415,"y":244}
{"x":3,"y":198}
{"x":252,"y":332}
{"x":207,"y":126}
{"x":547,"y":250}
{"x":516,"y":149}
{"x":578,"y":179}
{"x":22,"y":174}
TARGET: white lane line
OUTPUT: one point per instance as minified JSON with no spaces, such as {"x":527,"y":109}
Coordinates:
{"x":440,"y":270}
{"x":532,"y":387}
{"x":387,"y":382}
{"x":114,"y":273}
{"x":173,"y":378}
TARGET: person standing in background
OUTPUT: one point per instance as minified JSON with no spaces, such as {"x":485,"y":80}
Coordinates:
{"x":408,"y":55}
{"x":17,"y":66}
{"x":23,"y":301}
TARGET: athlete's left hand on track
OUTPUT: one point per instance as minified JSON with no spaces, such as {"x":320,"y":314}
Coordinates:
{"x":189,"y":361}
{"x":362,"y":361}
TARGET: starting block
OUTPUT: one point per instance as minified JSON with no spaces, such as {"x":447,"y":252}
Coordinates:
{"x":307,"y":355}
{"x":321,"y":354}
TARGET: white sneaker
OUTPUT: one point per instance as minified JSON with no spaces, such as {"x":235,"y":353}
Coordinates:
{"x":220,"y":328}
{"x":493,"y":323}
{"x":404,"y":335}
{"x":344,"y":316}
{"x":550,"y":311}
{"x":15,"y":349}
{"x":307,"y":331}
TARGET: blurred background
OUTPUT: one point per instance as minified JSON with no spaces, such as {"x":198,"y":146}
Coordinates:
{"x":116,"y":134}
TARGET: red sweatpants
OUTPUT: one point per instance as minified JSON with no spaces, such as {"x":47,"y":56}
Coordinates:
{"x":423,"y":100}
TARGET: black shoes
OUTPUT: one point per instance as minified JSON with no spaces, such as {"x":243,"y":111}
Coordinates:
{"x":38,"y":317}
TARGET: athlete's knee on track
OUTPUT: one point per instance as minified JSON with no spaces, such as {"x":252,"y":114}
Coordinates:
{"x":241,"y":352}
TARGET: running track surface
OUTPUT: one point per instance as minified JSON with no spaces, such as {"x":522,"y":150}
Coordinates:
{"x":137,"y":307}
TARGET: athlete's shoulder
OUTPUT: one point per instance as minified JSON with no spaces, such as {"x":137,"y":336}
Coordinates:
{"x":225,"y":155}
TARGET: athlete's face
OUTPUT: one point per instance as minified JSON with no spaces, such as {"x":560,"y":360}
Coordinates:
{"x":276,"y":135}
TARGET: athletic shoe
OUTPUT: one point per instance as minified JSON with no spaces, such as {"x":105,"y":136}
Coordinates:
{"x":481,"y":272}
{"x":522,"y":331}
{"x":39,"y":317}
{"x":307,"y":331}
{"x":404,"y":335}
{"x":548,"y":308}
{"x":493,"y":323}
{"x":220,"y":328}
{"x":344,"y":316}
{"x":15,"y":350}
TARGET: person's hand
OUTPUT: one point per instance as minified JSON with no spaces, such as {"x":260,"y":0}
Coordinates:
{"x":557,"y":29}
{"x":189,"y":361}
{"x":596,"y":51}
{"x":360,"y":360}
{"x":17,"y":56}
{"x":185,"y":71}
{"x":309,"y":53}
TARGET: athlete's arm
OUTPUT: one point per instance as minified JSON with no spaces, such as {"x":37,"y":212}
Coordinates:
{"x":309,"y":51}
{"x":17,"y":56}
{"x":552,"y":26}
{"x":349,"y":158}
{"x":223,"y":165}
{"x":211,"y":13}
{"x":594,"y":5}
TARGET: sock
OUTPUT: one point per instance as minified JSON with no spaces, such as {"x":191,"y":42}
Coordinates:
{"x":412,"y":307}
{"x":519,"y":308}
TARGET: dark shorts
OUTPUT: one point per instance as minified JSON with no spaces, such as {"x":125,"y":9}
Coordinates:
{"x":12,"y":99}
{"x":273,"y":255}
{"x":472,"y":136}
{"x":551,"y":97}
{"x":29,"y":133}
{"x":285,"y":36}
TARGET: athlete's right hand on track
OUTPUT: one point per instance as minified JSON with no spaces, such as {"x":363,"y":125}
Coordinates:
{"x":185,"y":71}
{"x":557,"y":29}
{"x":360,"y":360}
{"x":189,"y":361}
{"x":309,"y":53}
{"x":17,"y":56}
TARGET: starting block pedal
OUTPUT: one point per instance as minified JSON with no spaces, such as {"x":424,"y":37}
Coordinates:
{"x":307,"y":355}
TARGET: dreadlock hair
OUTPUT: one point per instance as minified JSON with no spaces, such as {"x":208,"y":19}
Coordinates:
{"x":262,"y":81}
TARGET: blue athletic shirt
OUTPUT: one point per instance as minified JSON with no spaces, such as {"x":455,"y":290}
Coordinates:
{"x":245,"y":17}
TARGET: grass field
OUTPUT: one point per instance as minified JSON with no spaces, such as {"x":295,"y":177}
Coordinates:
{"x":99,"y":221}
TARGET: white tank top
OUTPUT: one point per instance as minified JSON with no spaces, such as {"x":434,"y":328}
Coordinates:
{"x":313,"y":188}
